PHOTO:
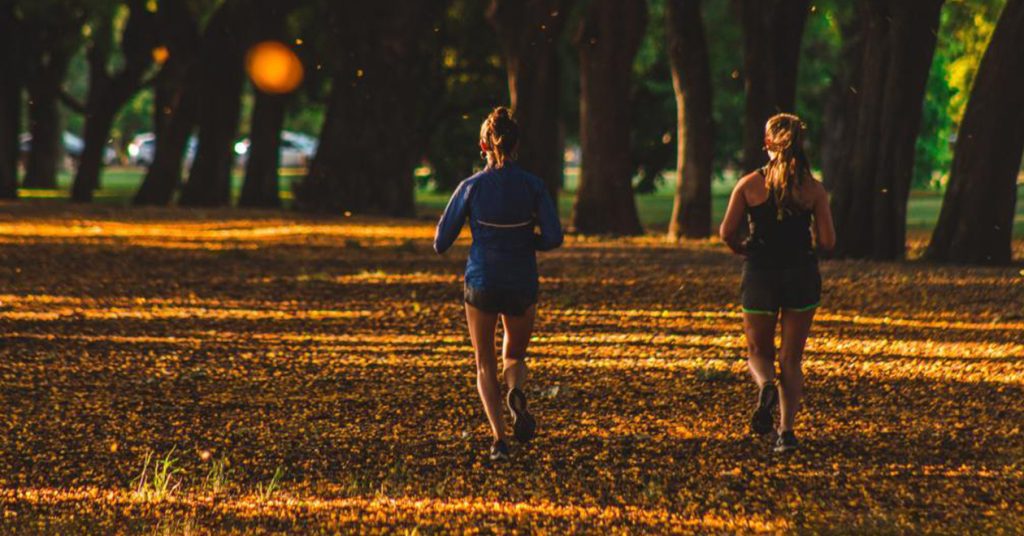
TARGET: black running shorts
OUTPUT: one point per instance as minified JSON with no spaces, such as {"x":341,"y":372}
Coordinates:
{"x":500,"y":301}
{"x":766,"y":290}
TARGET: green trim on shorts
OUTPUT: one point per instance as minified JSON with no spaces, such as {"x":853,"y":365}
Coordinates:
{"x":758,"y":312}
{"x":802,"y":309}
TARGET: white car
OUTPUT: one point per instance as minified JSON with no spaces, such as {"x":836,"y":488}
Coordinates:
{"x":296,"y":150}
{"x":143,"y":147}
{"x":73,"y":146}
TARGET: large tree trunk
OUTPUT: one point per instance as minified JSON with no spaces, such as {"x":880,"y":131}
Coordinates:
{"x":976,"y":222}
{"x":842,"y":105}
{"x":260,"y":188}
{"x":608,"y":39}
{"x":175,"y":104}
{"x":691,"y":78}
{"x":870,"y":200}
{"x":10,"y":100}
{"x":45,"y":125}
{"x":772,"y":32}
{"x":108,"y":93}
{"x":221,"y":76}
{"x":529,"y":31}
{"x":375,"y":132}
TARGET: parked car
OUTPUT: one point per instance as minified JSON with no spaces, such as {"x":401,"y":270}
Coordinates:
{"x":297,"y":150}
{"x":143,"y":147}
{"x":73,"y":146}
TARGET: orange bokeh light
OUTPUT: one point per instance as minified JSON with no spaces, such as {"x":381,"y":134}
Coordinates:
{"x":160,"y":54}
{"x":273,"y":67}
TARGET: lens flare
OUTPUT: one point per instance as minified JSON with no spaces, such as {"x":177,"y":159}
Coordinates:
{"x":273,"y":67}
{"x":160,"y":54}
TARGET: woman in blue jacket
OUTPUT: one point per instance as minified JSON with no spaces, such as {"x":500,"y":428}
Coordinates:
{"x":504,"y":205}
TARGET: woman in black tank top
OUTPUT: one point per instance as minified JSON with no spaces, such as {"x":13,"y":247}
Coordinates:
{"x":782,"y":203}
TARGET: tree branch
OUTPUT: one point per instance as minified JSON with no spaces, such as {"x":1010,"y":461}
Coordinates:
{"x":71,"y":102}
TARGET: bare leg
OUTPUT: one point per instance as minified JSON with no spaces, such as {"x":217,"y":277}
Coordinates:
{"x":796,"y":325}
{"x":517,"y":337}
{"x":481,"y":332}
{"x":760,"y":332}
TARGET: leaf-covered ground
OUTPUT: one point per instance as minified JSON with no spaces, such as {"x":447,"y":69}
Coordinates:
{"x":333,"y":352}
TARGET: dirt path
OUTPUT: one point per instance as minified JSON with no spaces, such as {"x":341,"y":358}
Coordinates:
{"x":335,"y":350}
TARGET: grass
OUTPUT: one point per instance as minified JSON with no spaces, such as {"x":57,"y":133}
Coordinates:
{"x":266,"y":491}
{"x":158,"y":479}
{"x":655,"y":209}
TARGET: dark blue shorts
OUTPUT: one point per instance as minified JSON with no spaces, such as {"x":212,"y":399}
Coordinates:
{"x":766,"y":290}
{"x":511,"y":302}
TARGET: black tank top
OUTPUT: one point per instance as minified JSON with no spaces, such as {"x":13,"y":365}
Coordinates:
{"x":779,"y":243}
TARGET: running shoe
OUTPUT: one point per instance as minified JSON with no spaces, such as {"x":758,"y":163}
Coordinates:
{"x":499,"y":450}
{"x":524,"y":427}
{"x":767,"y":398}
{"x":786,"y":442}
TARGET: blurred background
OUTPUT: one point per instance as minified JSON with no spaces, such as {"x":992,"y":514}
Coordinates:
{"x":346,"y":107}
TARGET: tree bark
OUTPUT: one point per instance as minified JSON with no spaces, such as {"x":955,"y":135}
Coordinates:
{"x":772,"y":33}
{"x":51,"y":37}
{"x":108,"y":93}
{"x":976,"y":221}
{"x":221,"y":76}
{"x":608,"y":39}
{"x":529,"y":32}
{"x":260,"y":188}
{"x":842,"y":105}
{"x":10,"y":100}
{"x":45,"y":124}
{"x":869,"y":201}
{"x":691,"y":78}
{"x":375,"y":130}
{"x":175,"y":103}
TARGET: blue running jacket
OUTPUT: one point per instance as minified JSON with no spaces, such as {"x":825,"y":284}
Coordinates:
{"x":504,"y":206}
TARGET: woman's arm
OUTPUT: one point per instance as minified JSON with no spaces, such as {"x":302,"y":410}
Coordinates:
{"x":823,"y":228}
{"x":550,"y":236}
{"x":729,"y":230}
{"x":454,"y":217}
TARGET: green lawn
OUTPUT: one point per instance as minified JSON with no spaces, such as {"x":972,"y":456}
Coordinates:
{"x":119,"y":184}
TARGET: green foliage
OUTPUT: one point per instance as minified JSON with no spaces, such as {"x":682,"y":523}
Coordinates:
{"x":474,"y":79}
{"x":654,"y":106}
{"x":474,"y":83}
{"x":966,"y":28}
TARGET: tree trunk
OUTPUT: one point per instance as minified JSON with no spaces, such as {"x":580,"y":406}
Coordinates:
{"x":841,"y":106}
{"x":10,"y":101}
{"x":260,"y":188}
{"x":375,"y":131}
{"x":870,"y":200}
{"x":221,"y":76}
{"x":97,"y":130}
{"x":772,"y":33}
{"x":912,"y":32}
{"x":175,"y":104}
{"x":50,"y":39}
{"x":691,"y":78}
{"x":976,"y":222}
{"x":608,"y":39}
{"x":108,"y":93}
{"x":45,"y":127}
{"x":529,"y":32}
